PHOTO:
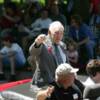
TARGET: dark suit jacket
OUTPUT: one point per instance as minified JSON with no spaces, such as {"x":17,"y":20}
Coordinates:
{"x":43,"y":59}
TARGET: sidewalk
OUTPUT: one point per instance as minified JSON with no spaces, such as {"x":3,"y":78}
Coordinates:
{"x":20,"y":75}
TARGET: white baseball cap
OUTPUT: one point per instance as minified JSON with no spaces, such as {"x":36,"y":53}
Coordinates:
{"x":65,"y":68}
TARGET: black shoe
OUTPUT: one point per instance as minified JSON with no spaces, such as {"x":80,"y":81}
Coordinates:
{"x":2,"y":77}
{"x":12,"y":78}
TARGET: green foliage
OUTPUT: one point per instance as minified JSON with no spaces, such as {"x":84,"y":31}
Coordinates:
{"x":42,"y":2}
{"x":1,"y":1}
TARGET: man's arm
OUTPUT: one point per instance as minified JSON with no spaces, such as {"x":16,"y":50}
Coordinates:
{"x":36,"y":46}
{"x":43,"y":94}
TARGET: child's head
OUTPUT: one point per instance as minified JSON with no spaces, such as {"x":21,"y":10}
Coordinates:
{"x":6,"y":36}
{"x":7,"y":40}
{"x":71,"y":46}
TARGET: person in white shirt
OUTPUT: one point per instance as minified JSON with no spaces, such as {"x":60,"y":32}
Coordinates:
{"x":92,"y":84}
{"x":42,"y":23}
{"x":10,"y":54}
{"x":93,"y":70}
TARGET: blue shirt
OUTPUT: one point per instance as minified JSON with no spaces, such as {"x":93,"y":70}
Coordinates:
{"x":98,"y":19}
{"x":83,"y":33}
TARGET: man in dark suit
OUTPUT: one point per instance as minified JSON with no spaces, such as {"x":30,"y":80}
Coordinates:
{"x":46,"y":53}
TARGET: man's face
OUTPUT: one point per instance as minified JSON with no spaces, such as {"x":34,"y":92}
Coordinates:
{"x":44,"y":14}
{"x":67,"y":80}
{"x":57,"y":36}
{"x":6,"y":43}
{"x":73,"y":23}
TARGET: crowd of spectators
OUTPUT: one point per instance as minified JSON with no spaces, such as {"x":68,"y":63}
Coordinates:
{"x":81,"y":21}
{"x":42,"y":32}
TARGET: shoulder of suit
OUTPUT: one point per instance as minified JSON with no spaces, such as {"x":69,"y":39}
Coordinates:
{"x":62,"y":44}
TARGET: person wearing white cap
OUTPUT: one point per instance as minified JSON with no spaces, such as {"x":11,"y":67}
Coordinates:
{"x":64,"y":87}
{"x":46,"y":53}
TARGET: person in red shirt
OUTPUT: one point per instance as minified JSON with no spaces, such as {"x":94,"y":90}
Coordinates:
{"x":10,"y":16}
{"x":94,"y":6}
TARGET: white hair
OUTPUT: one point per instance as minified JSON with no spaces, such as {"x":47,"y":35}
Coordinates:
{"x":64,"y":69}
{"x":56,"y":26}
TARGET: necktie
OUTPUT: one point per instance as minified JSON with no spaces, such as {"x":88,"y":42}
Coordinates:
{"x":58,"y":55}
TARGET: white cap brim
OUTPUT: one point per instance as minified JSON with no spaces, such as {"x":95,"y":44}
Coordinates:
{"x":74,"y":70}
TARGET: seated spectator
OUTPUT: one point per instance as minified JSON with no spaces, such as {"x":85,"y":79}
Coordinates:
{"x":92,"y":89}
{"x":31,"y":12}
{"x":55,"y":14}
{"x":10,"y":54}
{"x":63,"y":88}
{"x":94,"y":6}
{"x":72,"y":54}
{"x":95,"y":21}
{"x":82,"y":35}
{"x":10,"y":17}
{"x":22,"y":34}
{"x":42,"y":23}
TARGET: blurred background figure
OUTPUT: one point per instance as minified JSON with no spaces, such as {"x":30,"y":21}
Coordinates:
{"x":11,"y":54}
{"x":11,"y":16}
{"x":93,"y":70}
{"x":80,"y":7}
{"x":92,"y":84}
{"x":31,"y":13}
{"x":41,"y":24}
{"x":56,"y":15}
{"x":81,"y":33}
{"x":72,"y":53}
